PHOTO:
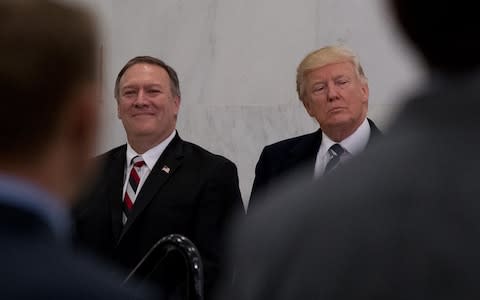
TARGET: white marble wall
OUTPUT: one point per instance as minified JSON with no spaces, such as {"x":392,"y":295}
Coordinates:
{"x":236,"y":61}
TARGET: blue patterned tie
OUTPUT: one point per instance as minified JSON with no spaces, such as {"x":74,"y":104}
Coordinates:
{"x":335,"y":152}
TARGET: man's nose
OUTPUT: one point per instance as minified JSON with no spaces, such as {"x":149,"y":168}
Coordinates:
{"x":332,"y":92}
{"x":140,"y":100}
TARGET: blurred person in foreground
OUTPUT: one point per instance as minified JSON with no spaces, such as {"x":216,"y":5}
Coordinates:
{"x":402,"y":220}
{"x":48,"y":127}
{"x":333,"y":88}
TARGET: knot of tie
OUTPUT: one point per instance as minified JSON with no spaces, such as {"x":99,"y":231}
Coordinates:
{"x":336,"y":150}
{"x":138,"y":161}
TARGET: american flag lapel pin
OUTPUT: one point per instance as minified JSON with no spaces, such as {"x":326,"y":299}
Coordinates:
{"x":166,"y":169}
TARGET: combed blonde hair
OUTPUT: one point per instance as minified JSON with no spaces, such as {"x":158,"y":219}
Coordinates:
{"x":325,"y":56}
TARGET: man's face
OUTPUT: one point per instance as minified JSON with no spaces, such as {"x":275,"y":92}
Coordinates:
{"x":336,"y":97}
{"x":146,"y":105}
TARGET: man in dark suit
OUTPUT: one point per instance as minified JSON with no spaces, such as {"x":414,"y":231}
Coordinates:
{"x":48,"y":127}
{"x":401,"y":221}
{"x":178,"y":188}
{"x":333,"y":88}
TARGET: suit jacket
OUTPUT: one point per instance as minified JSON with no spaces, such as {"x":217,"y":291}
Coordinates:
{"x":400,"y":221}
{"x":195,"y":197}
{"x":38,"y":265}
{"x":287,"y":156}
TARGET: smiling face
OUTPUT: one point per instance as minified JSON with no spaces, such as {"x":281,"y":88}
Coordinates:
{"x":146,"y":105}
{"x":337,"y":97}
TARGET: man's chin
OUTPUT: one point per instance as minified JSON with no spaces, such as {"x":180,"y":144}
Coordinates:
{"x":143,"y":133}
{"x":340,"y":119}
{"x":144,"y":130}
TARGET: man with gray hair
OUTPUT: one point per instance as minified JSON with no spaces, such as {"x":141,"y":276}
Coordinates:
{"x":333,"y":88}
{"x":158,"y":184}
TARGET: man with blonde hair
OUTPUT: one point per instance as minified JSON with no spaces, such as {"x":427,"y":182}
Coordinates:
{"x":333,"y":88}
{"x":400,"y":223}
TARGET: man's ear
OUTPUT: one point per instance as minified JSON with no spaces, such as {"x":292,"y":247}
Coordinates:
{"x":83,"y":119}
{"x":176,"y":101}
{"x":365,"y":91}
{"x":77,"y":137}
{"x":118,"y":109}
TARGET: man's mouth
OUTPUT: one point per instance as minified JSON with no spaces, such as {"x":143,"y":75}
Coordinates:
{"x":336,"y":109}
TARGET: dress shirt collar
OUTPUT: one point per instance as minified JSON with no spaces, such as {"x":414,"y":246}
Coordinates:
{"x":353,"y":144}
{"x":152,"y":155}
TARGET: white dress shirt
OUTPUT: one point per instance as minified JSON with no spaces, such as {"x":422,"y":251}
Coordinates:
{"x":353,"y":145}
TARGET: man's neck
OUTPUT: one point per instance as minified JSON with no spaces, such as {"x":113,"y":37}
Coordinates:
{"x":143,"y":144}
{"x":341,"y":132}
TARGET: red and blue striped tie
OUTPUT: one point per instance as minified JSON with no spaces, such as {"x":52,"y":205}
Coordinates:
{"x":132,"y":186}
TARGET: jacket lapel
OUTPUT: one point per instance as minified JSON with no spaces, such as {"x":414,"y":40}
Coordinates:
{"x":375,"y":133}
{"x":305,"y":152}
{"x":166,"y":165}
{"x":115,"y":189}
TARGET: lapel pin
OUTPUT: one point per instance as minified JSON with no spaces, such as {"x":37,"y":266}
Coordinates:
{"x":166,"y":169}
